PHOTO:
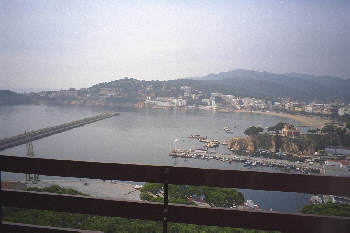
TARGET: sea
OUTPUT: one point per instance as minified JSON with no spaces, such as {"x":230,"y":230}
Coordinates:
{"x":140,"y":136}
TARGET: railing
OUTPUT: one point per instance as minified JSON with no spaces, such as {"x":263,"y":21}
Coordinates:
{"x":264,"y":220}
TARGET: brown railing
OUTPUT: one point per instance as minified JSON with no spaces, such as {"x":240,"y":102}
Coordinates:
{"x":264,"y":220}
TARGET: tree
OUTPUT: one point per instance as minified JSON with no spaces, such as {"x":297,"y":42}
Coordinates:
{"x":181,"y":194}
{"x":252,"y":130}
{"x":279,"y":126}
{"x":328,"y":129}
{"x":330,"y":209}
{"x":313,"y":130}
{"x":347,"y":125}
{"x":114,"y":224}
{"x":223,"y":197}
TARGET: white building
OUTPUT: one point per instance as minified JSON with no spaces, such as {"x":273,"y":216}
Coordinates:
{"x":343,"y":111}
{"x":180,"y":102}
{"x":308,"y":108}
{"x":187,"y":91}
{"x":215,"y":94}
{"x":206,"y":101}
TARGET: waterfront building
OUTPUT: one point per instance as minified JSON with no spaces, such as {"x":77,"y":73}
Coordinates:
{"x":187,"y":91}
{"x":180,"y":102}
{"x":290,"y":131}
{"x":308,"y":108}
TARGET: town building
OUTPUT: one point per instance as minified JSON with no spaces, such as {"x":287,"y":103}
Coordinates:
{"x":107,"y":92}
{"x":187,"y":91}
{"x":290,"y":131}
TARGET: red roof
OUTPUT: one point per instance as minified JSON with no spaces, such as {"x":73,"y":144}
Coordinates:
{"x":345,"y":162}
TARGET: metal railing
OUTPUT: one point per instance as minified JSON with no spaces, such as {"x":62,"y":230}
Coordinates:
{"x":263,"y":220}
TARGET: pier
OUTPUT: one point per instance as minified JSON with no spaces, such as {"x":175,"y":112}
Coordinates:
{"x":48,"y":131}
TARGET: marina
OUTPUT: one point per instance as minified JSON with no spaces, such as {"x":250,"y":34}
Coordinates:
{"x":249,"y":161}
{"x":257,"y":159}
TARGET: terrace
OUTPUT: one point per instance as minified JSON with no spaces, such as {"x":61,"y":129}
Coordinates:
{"x":165,"y":212}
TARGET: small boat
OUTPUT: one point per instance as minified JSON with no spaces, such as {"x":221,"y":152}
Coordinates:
{"x":228,"y":129}
{"x":250,"y":204}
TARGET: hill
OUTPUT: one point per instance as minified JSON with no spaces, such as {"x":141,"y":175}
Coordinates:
{"x":265,"y":84}
{"x":9,"y":98}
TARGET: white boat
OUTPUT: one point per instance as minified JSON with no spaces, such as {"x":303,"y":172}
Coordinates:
{"x":251,"y":204}
{"x":228,"y":129}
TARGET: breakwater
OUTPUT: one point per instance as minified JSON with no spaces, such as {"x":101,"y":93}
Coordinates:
{"x":48,"y":131}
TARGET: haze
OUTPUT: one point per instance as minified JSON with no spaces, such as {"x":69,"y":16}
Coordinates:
{"x":62,"y":44}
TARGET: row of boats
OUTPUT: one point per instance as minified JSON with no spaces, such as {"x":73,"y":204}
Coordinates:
{"x":247,"y":162}
{"x":208,"y":143}
{"x":227,"y":129}
{"x":260,"y":158}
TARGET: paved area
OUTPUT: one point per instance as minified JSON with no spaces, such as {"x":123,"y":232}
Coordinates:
{"x":95,"y":188}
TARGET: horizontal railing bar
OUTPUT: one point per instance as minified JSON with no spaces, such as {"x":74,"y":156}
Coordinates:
{"x":81,"y":169}
{"x":262,"y":220}
{"x":271,"y":181}
{"x":177,"y":213}
{"x":28,"y":228}
{"x":81,"y":204}
{"x":314,"y":184}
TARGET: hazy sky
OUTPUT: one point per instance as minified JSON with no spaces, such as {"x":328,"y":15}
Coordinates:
{"x":61,"y":44}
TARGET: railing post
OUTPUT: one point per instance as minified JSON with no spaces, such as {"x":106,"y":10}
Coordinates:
{"x":0,"y":199}
{"x":166,"y":200}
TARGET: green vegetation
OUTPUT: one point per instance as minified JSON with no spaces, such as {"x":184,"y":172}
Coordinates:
{"x":252,"y":131}
{"x":265,"y":84}
{"x":277,"y":127}
{"x":182,"y":194}
{"x":330,"y":209}
{"x":106,"y":224}
{"x":335,"y":136}
{"x":305,"y":144}
{"x":10,"y":97}
{"x":313,"y":130}
{"x":114,"y":224}
{"x":57,"y":189}
{"x":345,"y":119}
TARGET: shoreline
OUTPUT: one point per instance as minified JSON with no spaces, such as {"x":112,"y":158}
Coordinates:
{"x":313,"y":121}
{"x":310,"y":121}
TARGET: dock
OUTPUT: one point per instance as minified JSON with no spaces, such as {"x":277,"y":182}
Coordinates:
{"x":48,"y":131}
{"x":248,"y":161}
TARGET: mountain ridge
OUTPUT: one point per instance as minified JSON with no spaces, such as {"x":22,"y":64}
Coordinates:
{"x":237,"y":72}
{"x":295,"y":85}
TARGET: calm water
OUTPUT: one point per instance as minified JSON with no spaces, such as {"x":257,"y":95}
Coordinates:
{"x":142,"y":136}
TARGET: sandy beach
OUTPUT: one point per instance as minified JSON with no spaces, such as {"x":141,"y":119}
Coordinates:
{"x":95,"y":188}
{"x":314,"y":121}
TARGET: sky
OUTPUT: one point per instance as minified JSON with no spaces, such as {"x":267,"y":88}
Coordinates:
{"x":77,"y":43}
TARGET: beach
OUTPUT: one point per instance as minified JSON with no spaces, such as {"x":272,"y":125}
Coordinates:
{"x":314,"y":121}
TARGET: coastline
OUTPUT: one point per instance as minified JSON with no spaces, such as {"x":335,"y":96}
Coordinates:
{"x":310,"y":121}
{"x":315,"y":122}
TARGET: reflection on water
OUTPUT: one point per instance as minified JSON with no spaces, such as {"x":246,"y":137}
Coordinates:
{"x":142,"y":136}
